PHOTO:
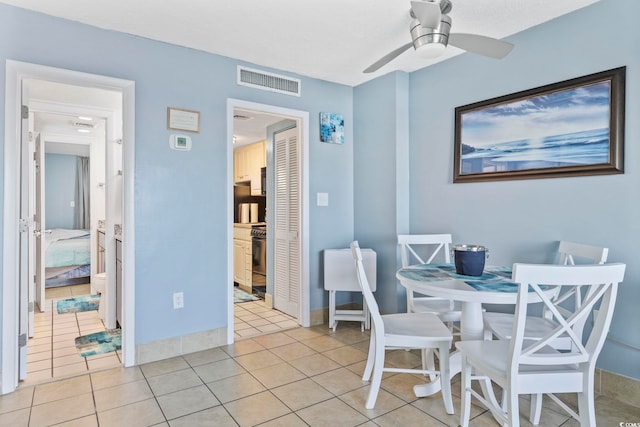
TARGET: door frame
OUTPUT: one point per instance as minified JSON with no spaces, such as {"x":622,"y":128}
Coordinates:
{"x":302,"y":117}
{"x":109,"y":117}
{"x":16,"y":71}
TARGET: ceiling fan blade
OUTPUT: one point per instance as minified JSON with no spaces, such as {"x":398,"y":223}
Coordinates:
{"x":482,"y":45}
{"x":387,"y":58}
{"x":427,"y":12}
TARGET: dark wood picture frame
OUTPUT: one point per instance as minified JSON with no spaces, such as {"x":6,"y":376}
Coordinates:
{"x":570,"y":128}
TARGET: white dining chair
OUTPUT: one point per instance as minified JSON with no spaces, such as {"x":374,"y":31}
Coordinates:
{"x":423,"y":249}
{"x":426,"y":249}
{"x":522,"y":366}
{"x":565,"y":300}
{"x":401,"y":331}
{"x":501,"y":324}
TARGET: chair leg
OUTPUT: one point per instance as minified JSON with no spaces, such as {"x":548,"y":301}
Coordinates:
{"x":465,"y":392}
{"x":445,"y":377}
{"x":428,"y":362}
{"x":586,"y":406}
{"x":536,"y":408}
{"x":370,"y":357}
{"x":497,"y":409}
{"x":378,"y":366}
{"x":513,"y":411}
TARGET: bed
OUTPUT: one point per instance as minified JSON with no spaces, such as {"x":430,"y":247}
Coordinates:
{"x":67,"y":257}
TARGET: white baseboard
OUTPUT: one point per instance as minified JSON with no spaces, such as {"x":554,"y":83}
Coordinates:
{"x":177,"y":346}
{"x":618,"y":387}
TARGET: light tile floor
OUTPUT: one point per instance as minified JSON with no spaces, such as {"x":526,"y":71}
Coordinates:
{"x":296,"y":377}
{"x":52,"y":353}
{"x":254,"y":318}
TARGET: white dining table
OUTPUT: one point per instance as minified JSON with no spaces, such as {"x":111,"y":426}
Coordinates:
{"x":494,"y":286}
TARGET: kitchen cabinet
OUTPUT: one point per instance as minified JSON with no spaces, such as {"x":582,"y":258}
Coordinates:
{"x":242,"y":265}
{"x":240,"y":165}
{"x":247,"y":162}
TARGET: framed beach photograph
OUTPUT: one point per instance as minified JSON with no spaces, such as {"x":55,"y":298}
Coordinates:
{"x":571,"y":128}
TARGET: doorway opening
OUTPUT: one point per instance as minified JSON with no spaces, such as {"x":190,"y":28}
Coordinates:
{"x":260,"y":190}
{"x":70,"y":211}
{"x":24,"y":275}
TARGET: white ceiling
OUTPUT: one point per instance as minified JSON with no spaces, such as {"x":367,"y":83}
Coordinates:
{"x":251,"y":126}
{"x":66,"y":117}
{"x":332,"y":40}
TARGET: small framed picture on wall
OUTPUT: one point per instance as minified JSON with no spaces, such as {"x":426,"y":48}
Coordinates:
{"x":332,"y":128}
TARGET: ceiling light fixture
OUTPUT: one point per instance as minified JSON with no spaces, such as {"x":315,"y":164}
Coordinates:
{"x":430,"y":42}
{"x":83,"y":130}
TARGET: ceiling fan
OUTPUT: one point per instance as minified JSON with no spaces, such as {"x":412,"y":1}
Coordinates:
{"x":430,"y":35}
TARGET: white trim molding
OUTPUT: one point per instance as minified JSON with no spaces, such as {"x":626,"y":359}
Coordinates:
{"x":16,"y":72}
{"x":302,"y":117}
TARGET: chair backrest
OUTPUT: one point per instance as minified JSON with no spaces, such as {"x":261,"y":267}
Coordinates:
{"x":435,"y":242}
{"x":570,"y":251}
{"x":366,"y":289}
{"x":601,"y":281}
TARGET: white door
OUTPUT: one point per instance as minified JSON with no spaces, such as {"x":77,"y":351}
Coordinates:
{"x":32,"y":202}
{"x":287,"y":247}
{"x":39,"y":226}
{"x":25,"y":285}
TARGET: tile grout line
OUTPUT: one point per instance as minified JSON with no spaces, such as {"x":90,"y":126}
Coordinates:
{"x":51,"y":343}
{"x":155,"y":397}
{"x":86,"y":363}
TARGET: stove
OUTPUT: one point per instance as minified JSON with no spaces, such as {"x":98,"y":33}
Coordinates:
{"x":259,"y":252}
{"x":259,"y":232}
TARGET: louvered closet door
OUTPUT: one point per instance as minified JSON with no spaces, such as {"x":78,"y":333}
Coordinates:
{"x":287,"y":277}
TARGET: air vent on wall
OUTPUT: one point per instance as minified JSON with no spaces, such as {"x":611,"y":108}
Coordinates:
{"x":268,"y":81}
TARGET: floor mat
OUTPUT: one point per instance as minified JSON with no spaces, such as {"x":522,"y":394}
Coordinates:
{"x":99,"y":342}
{"x":74,"y":305}
{"x":241,"y":296}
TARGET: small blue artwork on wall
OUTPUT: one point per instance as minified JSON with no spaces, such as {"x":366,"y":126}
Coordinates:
{"x":332,"y":128}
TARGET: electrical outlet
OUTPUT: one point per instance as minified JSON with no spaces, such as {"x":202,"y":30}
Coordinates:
{"x":178,"y":300}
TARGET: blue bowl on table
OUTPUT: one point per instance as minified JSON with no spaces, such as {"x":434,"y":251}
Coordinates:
{"x":469,"y":259}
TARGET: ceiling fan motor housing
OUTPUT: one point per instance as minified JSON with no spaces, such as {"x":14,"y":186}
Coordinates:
{"x":422,"y":36}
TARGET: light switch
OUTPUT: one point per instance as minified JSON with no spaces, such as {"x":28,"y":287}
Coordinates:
{"x":323,"y":199}
{"x":73,"y":204}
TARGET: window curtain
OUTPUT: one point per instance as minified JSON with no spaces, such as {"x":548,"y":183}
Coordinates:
{"x":82,"y":213}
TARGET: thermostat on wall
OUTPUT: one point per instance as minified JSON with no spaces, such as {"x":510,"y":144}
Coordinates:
{"x":180,"y":142}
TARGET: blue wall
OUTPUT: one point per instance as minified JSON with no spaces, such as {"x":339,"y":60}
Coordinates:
{"x":524,"y":220}
{"x":382,"y":177}
{"x":180,"y":197}
{"x":60,"y":183}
